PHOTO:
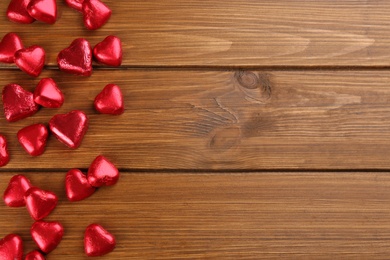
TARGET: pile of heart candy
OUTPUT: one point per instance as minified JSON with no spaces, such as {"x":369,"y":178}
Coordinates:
{"x":95,"y":13}
{"x":68,"y":128}
{"x":40,"y":203}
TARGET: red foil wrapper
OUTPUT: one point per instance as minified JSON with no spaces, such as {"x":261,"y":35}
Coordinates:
{"x":77,"y":186}
{"x":77,"y":58}
{"x":47,"y":94}
{"x":16,"y":190}
{"x":18,"y":103}
{"x":75,"y":4}
{"x":96,"y":14}
{"x":34,"y":255}
{"x":102,"y":172}
{"x":31,"y":60}
{"x":98,"y":241}
{"x":11,"y":247}
{"x":10,"y":44}
{"x":33,"y":139}
{"x":69,"y":128}
{"x":40,"y":203}
{"x":17,"y":12}
{"x":110,"y":100}
{"x":43,"y":10}
{"x":109,"y":51}
{"x":4,"y":153}
{"x":47,"y":235}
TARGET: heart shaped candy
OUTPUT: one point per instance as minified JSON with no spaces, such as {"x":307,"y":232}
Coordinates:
{"x":17,"y":188}
{"x":75,"y":4}
{"x":102,"y":172}
{"x":11,"y":247}
{"x":43,"y":10}
{"x":77,"y":58}
{"x":31,"y":60}
{"x":33,"y":139}
{"x":34,"y":255}
{"x":98,"y":241}
{"x":10,"y":44}
{"x":96,"y":14}
{"x":77,"y":186}
{"x":17,"y":11}
{"x":47,"y":94}
{"x":4,"y":154}
{"x":40,"y":203}
{"x":110,"y":100}
{"x":18,"y":103}
{"x":47,"y":235}
{"x":70,"y":128}
{"x":109,"y":51}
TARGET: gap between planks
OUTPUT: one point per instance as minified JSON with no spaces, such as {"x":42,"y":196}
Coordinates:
{"x":203,"y":171}
{"x":221,"y":68}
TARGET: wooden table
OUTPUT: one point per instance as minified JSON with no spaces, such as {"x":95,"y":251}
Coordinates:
{"x":253,"y":130}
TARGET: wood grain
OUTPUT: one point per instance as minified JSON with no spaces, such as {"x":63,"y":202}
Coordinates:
{"x":228,"y":33}
{"x":286,"y":158}
{"x":244,"y":120}
{"x":223,"y":216}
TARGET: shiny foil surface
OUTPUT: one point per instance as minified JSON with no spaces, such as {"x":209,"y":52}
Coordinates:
{"x":40,"y":203}
{"x":69,"y":128}
{"x":34,"y":255}
{"x":4,"y":153}
{"x":31,"y":60}
{"x":18,"y":103}
{"x":109,"y":51}
{"x":110,"y":100}
{"x":102,"y":172}
{"x":16,"y":190}
{"x":47,"y":235}
{"x":10,"y":44}
{"x":47,"y":94}
{"x":96,"y":14}
{"x":75,"y":4}
{"x":17,"y":12}
{"x":77,"y":58}
{"x":11,"y":247}
{"x":77,"y":186}
{"x":43,"y":10}
{"x":33,"y":139}
{"x":98,"y":241}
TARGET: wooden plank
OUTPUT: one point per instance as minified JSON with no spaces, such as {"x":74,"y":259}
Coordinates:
{"x":221,"y":120}
{"x":229,"y":33}
{"x":223,"y":216}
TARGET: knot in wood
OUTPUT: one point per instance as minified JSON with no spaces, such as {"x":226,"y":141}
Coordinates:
{"x":256,"y":86}
{"x":248,"y":79}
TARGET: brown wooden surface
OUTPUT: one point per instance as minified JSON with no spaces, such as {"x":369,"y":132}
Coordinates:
{"x":253,"y":130}
{"x":229,"y":33}
{"x":224,"y":216}
{"x":222,"y":120}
